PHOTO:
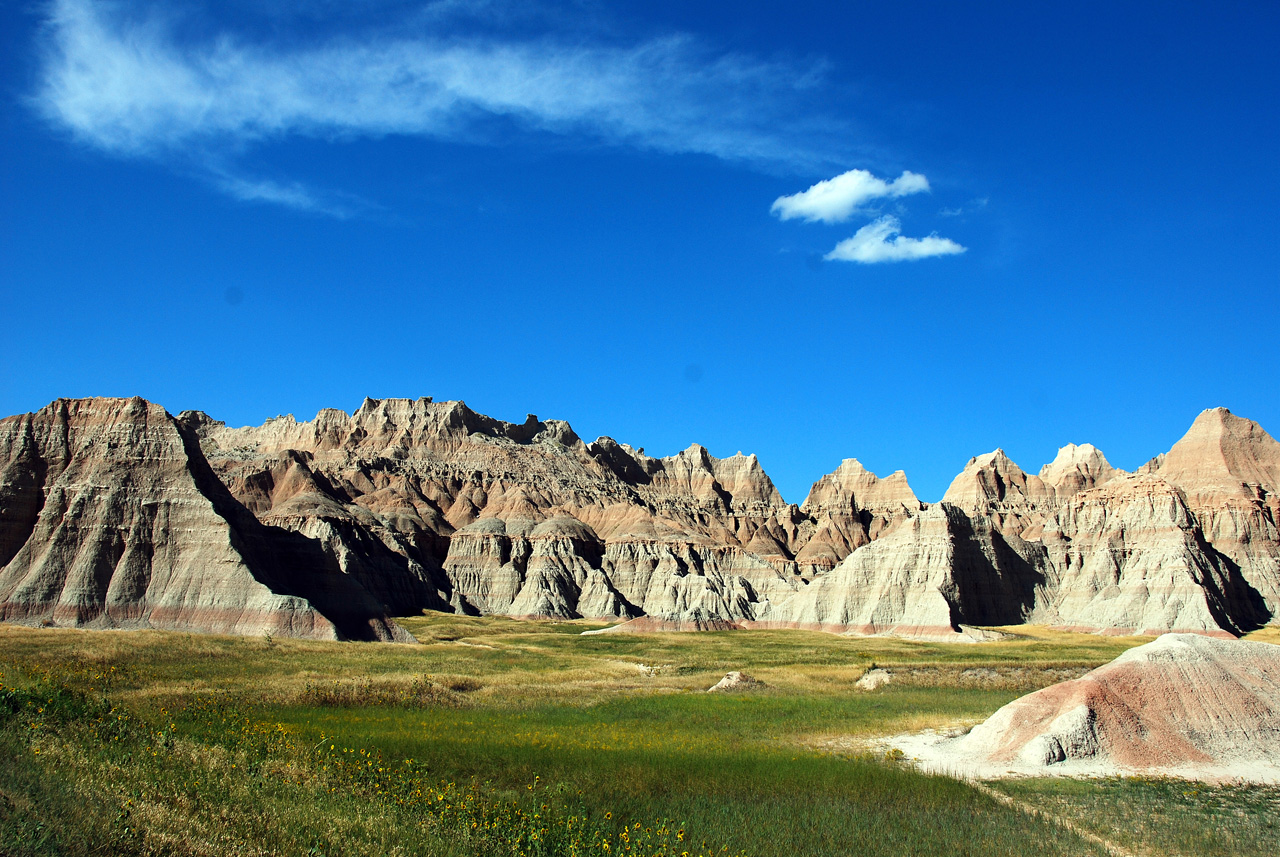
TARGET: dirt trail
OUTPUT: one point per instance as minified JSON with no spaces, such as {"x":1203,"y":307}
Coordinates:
{"x":1035,"y":812}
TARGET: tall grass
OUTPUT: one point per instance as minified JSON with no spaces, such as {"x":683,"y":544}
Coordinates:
{"x":496,"y":737}
{"x":1164,"y":816}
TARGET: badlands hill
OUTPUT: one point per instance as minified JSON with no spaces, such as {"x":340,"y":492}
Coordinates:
{"x":1183,"y":705}
{"x":115,"y":513}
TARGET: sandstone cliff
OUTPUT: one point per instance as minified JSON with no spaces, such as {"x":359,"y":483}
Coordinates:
{"x":114,"y":513}
{"x":110,"y":517}
{"x":1189,"y":543}
{"x":850,"y":507}
{"x":433,"y":506}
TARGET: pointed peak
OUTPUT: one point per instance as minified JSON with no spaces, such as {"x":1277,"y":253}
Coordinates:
{"x":1221,"y":422}
{"x":852,"y":484}
{"x":996,"y":458}
{"x":1077,"y":468}
{"x":1213,"y":415}
{"x":695,"y":454}
{"x":1222,"y":451}
{"x":851,"y":466}
{"x":989,"y":478}
{"x":1084,"y":456}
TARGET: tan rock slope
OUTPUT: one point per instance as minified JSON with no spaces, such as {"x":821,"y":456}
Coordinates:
{"x":1228,"y":469}
{"x":109,"y":517}
{"x":407,"y":505}
{"x":925,"y":578}
{"x":1184,"y":705}
{"x":850,"y":508}
{"x":431,"y":505}
{"x":1187,"y":544}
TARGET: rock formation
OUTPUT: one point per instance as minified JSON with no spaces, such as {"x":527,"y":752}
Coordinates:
{"x":850,"y":508}
{"x":1131,"y":558}
{"x":110,"y":517}
{"x":873,"y":678}
{"x":923,"y":579}
{"x":736,"y":682}
{"x":1184,"y":705}
{"x":114,"y":513}
{"x":433,"y":506}
{"x":1189,"y":543}
{"x":1228,"y":469}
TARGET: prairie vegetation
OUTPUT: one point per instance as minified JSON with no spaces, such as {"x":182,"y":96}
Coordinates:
{"x":1163,"y":816}
{"x":508,"y":737}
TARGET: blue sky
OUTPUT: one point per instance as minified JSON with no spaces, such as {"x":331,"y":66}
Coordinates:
{"x":907,"y":233}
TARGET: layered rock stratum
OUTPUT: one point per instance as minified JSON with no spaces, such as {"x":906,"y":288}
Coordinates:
{"x":1184,"y":705}
{"x":114,"y":513}
{"x":111,"y":517}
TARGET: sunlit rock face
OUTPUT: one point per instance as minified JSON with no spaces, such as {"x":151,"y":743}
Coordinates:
{"x":850,"y":507}
{"x":1187,"y":544}
{"x":925,"y":578}
{"x":114,"y":513}
{"x":1228,"y":469}
{"x":1132,"y":558}
{"x":110,"y":517}
{"x":477,"y":515}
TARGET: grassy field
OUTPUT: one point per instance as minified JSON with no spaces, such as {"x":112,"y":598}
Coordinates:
{"x":508,"y":737}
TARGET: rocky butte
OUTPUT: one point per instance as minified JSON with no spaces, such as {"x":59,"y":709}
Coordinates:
{"x":114,"y":513}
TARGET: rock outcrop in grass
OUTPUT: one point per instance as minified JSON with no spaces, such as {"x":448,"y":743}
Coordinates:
{"x":1183,"y":705}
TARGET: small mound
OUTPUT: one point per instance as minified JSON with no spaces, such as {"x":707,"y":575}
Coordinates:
{"x":1183,"y":705}
{"x":736,"y":681}
{"x":873,"y":678}
{"x":983,"y":635}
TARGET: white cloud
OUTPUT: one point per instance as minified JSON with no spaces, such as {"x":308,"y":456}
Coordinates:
{"x":130,"y":86}
{"x":836,"y":200}
{"x":880,"y":241}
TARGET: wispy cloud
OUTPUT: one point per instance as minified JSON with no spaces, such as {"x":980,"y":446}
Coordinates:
{"x":974,"y":205}
{"x":880,"y":241}
{"x":127,"y":84}
{"x":291,"y":195}
{"x":836,"y":200}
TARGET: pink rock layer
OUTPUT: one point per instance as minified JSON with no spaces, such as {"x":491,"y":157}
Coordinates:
{"x":1185,"y":702}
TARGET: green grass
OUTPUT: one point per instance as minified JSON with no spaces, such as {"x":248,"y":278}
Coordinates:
{"x":1163,"y":816}
{"x":499,"y":736}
